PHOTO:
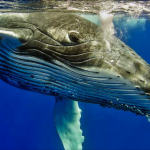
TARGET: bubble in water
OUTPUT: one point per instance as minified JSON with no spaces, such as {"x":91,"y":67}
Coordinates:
{"x":106,"y":25}
{"x":126,"y":24}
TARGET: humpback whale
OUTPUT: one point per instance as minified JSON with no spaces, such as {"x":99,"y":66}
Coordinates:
{"x":67,"y":56}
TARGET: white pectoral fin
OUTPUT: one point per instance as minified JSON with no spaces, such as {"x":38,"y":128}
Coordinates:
{"x":67,"y":116}
{"x":14,"y":37}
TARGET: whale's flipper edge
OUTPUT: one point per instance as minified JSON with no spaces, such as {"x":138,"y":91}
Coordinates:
{"x":67,"y":116}
{"x":14,"y":37}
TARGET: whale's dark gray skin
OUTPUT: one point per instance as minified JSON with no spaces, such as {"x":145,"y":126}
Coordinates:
{"x":66,"y":56}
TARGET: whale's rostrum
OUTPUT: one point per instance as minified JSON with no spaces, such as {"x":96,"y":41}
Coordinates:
{"x":66,"y":56}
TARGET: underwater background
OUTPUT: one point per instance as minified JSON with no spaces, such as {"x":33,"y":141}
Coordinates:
{"x":26,"y":118}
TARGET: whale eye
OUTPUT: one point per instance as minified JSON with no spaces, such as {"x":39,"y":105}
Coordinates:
{"x":74,"y":37}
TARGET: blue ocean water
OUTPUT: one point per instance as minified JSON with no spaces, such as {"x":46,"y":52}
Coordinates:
{"x":26,"y":118}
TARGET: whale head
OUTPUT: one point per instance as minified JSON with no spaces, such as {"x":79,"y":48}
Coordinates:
{"x":67,"y":56}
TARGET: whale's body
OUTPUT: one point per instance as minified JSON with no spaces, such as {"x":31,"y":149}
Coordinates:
{"x":66,"y":56}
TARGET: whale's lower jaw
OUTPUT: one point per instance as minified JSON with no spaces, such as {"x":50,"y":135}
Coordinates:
{"x":55,"y":78}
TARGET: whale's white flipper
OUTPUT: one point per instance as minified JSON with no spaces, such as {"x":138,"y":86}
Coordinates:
{"x":67,"y":116}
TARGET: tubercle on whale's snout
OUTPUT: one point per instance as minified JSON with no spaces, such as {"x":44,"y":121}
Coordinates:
{"x":136,"y":72}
